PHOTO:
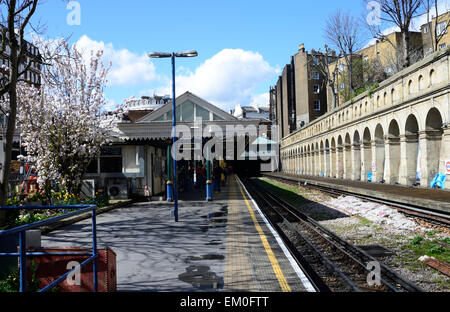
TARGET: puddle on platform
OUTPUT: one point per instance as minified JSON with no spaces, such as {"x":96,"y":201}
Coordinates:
{"x":214,"y":242}
{"x":218,"y":217}
{"x":202,"y":278}
{"x":205,"y":257}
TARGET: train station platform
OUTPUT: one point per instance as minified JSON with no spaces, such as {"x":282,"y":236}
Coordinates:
{"x":434,"y":199}
{"x":221,"y":246}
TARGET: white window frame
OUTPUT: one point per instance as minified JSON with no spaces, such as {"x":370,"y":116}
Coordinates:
{"x":316,"y":75}
{"x":442,"y":28}
{"x":316,"y":89}
{"x":317,"y":105}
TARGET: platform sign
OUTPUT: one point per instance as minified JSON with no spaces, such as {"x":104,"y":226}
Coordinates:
{"x":447,"y":167}
{"x":374,"y":167}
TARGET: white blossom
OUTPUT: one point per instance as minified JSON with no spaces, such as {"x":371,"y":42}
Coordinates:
{"x":60,"y":122}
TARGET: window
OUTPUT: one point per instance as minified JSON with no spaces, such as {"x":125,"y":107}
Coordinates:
{"x":316,"y":89}
{"x":111,"y":160}
{"x":442,"y":28}
{"x":317,"y":105}
{"x":202,"y":113}
{"x":421,"y":83}
{"x":187,"y":110}
{"x":315,"y":61}
{"x":93,"y":166}
{"x":366,"y":59}
{"x":442,"y":46}
{"x":342,"y":86}
{"x":316,"y":76}
{"x":426,"y":29}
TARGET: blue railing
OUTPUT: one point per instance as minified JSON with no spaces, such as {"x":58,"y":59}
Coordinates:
{"x":22,"y":254}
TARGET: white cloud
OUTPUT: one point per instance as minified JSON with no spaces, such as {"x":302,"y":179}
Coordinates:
{"x":127,"y":68}
{"x":228,"y":78}
{"x":261,"y":100}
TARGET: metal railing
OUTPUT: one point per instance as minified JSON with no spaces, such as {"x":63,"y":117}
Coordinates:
{"x":23,"y":254}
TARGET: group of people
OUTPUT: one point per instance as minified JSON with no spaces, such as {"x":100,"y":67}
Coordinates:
{"x":219,"y":176}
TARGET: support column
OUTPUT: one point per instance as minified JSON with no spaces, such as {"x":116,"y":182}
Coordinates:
{"x":340,"y":162}
{"x":392,"y":156}
{"x":347,"y":162}
{"x":321,"y":162}
{"x":314,"y":163}
{"x":327,"y":163}
{"x":445,"y":154}
{"x":356,"y":162}
{"x":403,"y":170}
{"x":333,"y":163}
{"x":366,"y":165}
{"x":169,"y":174}
{"x":377,"y":160}
{"x":430,"y":152}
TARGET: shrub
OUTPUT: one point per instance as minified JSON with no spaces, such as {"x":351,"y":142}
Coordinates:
{"x":417,"y":240}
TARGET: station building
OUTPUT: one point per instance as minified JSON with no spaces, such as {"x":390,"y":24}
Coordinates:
{"x":137,"y":160}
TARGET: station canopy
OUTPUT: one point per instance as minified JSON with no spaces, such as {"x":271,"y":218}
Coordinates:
{"x":191,"y":109}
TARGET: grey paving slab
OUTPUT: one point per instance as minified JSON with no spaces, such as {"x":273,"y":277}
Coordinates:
{"x":215,"y":246}
{"x":153,"y":252}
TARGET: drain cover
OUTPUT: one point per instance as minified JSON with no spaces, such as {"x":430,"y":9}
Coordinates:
{"x":376,"y":250}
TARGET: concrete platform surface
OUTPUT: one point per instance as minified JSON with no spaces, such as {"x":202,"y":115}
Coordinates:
{"x":223,"y":245}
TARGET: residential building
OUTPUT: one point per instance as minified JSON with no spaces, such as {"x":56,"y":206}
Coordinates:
{"x":430,"y":31}
{"x":373,"y":64}
{"x":310,"y":87}
{"x":300,"y":94}
{"x":31,"y":68}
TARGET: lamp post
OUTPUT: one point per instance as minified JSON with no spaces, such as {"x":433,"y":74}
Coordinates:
{"x":172,"y":185}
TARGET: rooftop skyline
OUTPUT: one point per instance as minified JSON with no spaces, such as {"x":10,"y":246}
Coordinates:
{"x":242,"y":46}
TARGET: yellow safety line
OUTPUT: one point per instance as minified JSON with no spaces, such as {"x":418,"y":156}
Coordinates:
{"x":273,"y":260}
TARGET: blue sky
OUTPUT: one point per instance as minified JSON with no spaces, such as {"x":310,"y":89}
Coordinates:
{"x":242,"y":44}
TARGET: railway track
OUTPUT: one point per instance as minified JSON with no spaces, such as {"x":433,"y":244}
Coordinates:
{"x":330,"y":263}
{"x":417,"y":211}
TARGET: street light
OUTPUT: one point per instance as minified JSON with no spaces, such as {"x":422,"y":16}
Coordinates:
{"x":172,"y":185}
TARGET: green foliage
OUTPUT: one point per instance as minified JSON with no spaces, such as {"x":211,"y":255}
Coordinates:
{"x":433,"y":248}
{"x":11,"y":283}
{"x":417,"y":240}
{"x":359,"y":92}
{"x":29,"y":218}
{"x":12,"y":215}
{"x":437,"y":249}
{"x":373,"y":88}
{"x":102,"y":200}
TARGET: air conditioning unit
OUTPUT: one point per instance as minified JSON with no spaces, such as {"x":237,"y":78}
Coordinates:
{"x":88,"y":188}
{"x":118,"y":189}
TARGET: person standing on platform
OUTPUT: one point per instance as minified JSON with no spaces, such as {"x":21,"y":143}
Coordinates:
{"x":217,"y":176}
{"x":225,"y":174}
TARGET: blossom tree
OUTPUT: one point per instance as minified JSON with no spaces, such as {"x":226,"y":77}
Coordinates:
{"x":60,"y":123}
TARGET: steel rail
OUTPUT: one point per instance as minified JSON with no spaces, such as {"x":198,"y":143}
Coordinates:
{"x":335,"y":269}
{"x":406,"y":208}
{"x":314,"y":225}
{"x":394,"y":276}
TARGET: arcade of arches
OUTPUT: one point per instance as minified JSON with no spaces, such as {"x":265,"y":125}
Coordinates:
{"x":406,"y":140}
